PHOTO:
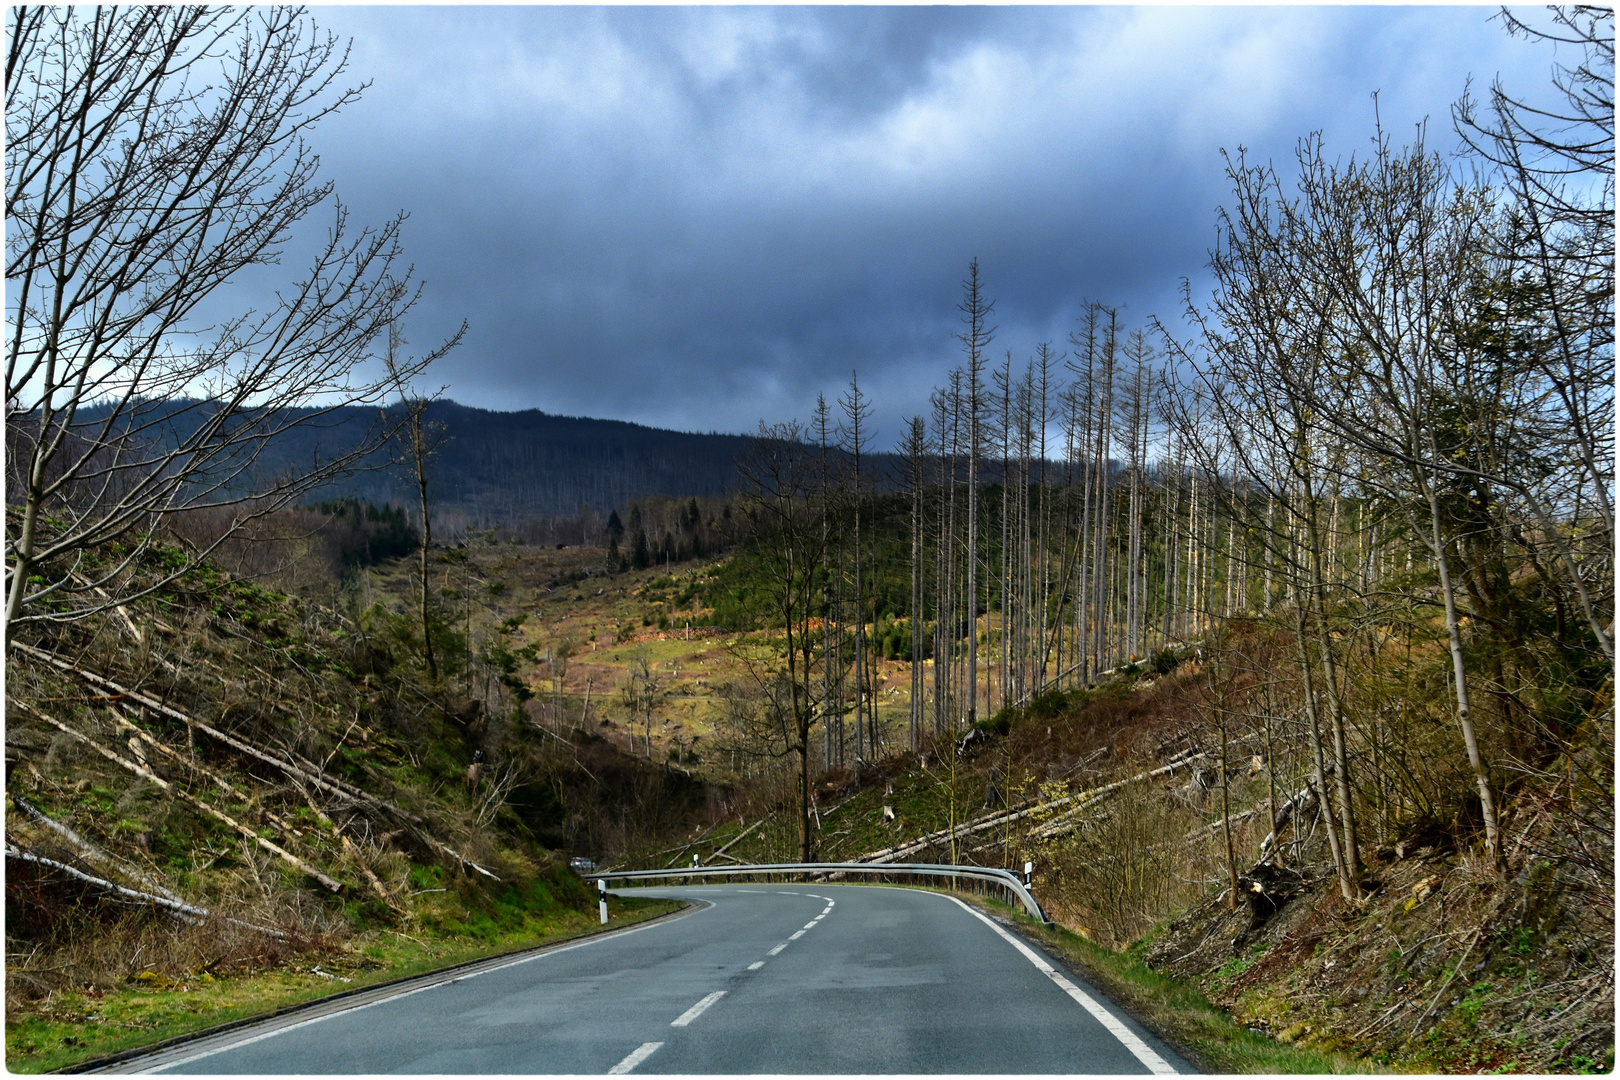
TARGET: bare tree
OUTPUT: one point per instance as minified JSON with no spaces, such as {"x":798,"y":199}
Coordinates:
{"x":1557,"y":164}
{"x":976,"y":310}
{"x":831,"y":606}
{"x":913,"y":448}
{"x":857,"y":411}
{"x":640,"y":694}
{"x":781,"y":480}
{"x":420,"y":440}
{"x":151,"y":155}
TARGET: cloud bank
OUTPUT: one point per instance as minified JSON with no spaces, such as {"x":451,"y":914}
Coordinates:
{"x":701,"y":217}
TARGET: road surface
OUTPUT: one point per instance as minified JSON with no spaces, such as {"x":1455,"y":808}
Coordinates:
{"x":759,"y":979}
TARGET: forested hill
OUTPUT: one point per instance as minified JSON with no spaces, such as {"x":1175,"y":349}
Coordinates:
{"x":511,"y":466}
{"x":489,"y":467}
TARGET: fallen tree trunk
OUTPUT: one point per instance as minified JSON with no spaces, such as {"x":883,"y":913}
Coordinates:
{"x":88,"y":850}
{"x":978,"y":824}
{"x":693,"y":843}
{"x":1057,"y":827}
{"x":1064,"y":825}
{"x":175,"y":714}
{"x":733,"y":841}
{"x":186,"y":760}
{"x":1243,"y":815}
{"x":339,"y":788}
{"x":180,"y":908}
{"x":354,"y":852}
{"x":1299,"y":800}
{"x":191,"y":800}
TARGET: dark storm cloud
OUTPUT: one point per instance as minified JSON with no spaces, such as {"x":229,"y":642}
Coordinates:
{"x":699,"y":217}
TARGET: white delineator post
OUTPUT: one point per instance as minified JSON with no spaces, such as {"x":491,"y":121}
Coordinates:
{"x":601,"y":891}
{"x":1029,"y":874}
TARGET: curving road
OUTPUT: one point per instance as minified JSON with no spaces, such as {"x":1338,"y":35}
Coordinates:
{"x":761,"y":979}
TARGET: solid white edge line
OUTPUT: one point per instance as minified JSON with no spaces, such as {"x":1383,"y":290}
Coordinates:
{"x":280,"y":1031}
{"x":593,"y":940}
{"x":634,"y":1058}
{"x":697,"y":1010}
{"x":1144,"y":1053}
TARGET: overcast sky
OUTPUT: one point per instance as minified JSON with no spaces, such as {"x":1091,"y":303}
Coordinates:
{"x":700,"y":217}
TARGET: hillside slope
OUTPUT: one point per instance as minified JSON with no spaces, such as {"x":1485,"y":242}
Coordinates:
{"x":1116,"y":795}
{"x":222,"y":799}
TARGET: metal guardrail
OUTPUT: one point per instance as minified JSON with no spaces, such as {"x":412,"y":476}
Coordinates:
{"x":994,"y":875}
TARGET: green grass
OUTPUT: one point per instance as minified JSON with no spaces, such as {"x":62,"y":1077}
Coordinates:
{"x":72,"y":1028}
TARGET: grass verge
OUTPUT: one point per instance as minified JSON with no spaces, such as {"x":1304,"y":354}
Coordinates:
{"x":1173,"y":1009}
{"x":72,"y":1029}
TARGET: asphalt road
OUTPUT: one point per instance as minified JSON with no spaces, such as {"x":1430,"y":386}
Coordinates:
{"x":764,"y":979}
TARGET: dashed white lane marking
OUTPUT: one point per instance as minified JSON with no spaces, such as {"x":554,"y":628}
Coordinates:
{"x":634,"y":1058}
{"x":783,"y":892}
{"x":778,"y":949}
{"x":796,"y":935}
{"x":756,"y":965}
{"x":756,"y":892}
{"x":697,"y":1010}
{"x":1144,"y":1053}
{"x":811,"y":925}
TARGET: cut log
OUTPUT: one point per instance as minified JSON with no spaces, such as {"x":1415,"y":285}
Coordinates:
{"x":1267,"y":888}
